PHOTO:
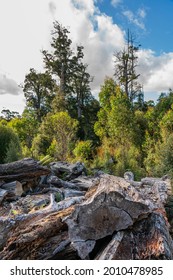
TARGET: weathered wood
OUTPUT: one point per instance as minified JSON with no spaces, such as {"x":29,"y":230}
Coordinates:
{"x":115,"y":214}
{"x":68,"y":171}
{"x":13,"y":188}
{"x":22,"y":170}
{"x":36,"y":238}
{"x":148,"y":239}
{"x":114,"y":205}
{"x":81,"y":183}
{"x":3,"y":194}
{"x":72,"y":193}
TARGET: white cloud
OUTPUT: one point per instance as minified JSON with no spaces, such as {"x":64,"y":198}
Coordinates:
{"x":52,"y":7}
{"x":141,"y":13}
{"x":8,"y":86}
{"x":96,"y":32}
{"x":136,"y":19}
{"x":115,"y":2}
{"x":156,"y":71}
{"x":25,"y":29}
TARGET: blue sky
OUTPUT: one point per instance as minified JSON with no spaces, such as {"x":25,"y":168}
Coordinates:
{"x":153,"y":21}
{"x":100,"y":26}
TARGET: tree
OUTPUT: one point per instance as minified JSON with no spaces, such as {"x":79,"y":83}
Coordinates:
{"x":59,"y":61}
{"x":165,"y":102}
{"x":71,"y":71}
{"x":26,"y":128}
{"x":108,"y":91}
{"x":9,"y":115}
{"x":116,"y":127}
{"x":80,"y":81}
{"x":125,"y":69}
{"x":56,"y":134}
{"x":39,"y":92}
{"x":9,"y":144}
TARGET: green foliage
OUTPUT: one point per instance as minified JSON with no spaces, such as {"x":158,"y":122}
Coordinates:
{"x":26,"y":127}
{"x":74,"y":93}
{"x":108,"y":91}
{"x":83,"y":150}
{"x":63,"y":121}
{"x":9,"y":145}
{"x":56,"y":134}
{"x":46,"y":160}
{"x":164,"y":155}
{"x":58,"y":197}
{"x":39,"y":92}
{"x":125,"y":70}
{"x":9,"y":115}
{"x":121,"y":119}
{"x":13,"y":151}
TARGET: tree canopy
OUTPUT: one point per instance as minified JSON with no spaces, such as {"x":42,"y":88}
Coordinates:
{"x":63,"y":120}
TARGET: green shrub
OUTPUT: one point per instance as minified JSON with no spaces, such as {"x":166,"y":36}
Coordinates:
{"x":9,"y":145}
{"x":83,"y":150}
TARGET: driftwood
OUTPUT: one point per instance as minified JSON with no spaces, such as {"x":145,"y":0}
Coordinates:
{"x":103,"y":217}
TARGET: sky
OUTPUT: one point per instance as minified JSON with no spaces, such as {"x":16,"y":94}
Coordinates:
{"x":100,"y":26}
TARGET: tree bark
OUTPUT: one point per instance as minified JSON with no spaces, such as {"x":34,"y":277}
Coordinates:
{"x":22,"y":170}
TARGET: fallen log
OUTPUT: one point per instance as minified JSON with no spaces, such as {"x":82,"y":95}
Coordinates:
{"x":26,"y":236}
{"x":81,"y":183}
{"x":68,"y":171}
{"x":114,"y":206}
{"x":148,"y":239}
{"x":13,"y":189}
{"x":22,"y":170}
{"x":117,"y":219}
{"x":3,"y":194}
{"x":36,"y":238}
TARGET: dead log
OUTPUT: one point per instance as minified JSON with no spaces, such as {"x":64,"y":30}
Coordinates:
{"x":81,"y":183}
{"x":112,"y":206}
{"x":13,"y":189}
{"x":116,"y":219}
{"x":36,"y":238}
{"x":22,"y":170}
{"x":68,"y":171}
{"x":72,"y":193}
{"x":3,"y":193}
{"x":148,"y":239}
{"x":37,"y":234}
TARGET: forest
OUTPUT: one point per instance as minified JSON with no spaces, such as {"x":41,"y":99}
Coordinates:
{"x":63,"y":121}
